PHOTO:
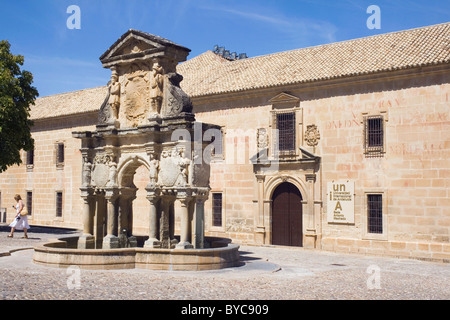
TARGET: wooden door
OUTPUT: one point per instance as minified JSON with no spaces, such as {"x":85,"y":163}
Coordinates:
{"x":287,"y":216}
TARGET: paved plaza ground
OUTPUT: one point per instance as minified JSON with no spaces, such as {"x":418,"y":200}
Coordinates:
{"x":268,"y":273}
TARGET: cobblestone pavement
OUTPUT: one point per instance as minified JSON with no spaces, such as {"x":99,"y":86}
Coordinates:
{"x":273,"y":273}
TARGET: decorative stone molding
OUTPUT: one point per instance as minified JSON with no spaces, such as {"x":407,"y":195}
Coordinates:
{"x":312,"y":135}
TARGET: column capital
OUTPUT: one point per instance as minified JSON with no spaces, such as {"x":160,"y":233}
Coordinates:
{"x":260,"y":177}
{"x":184,"y":200}
{"x":86,"y":193}
{"x":128,"y":193}
{"x":153,"y":193}
{"x":111,"y":194}
{"x":310,"y":177}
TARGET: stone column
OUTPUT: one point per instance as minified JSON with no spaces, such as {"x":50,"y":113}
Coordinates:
{"x":164,"y":221}
{"x":310,"y":228}
{"x":153,"y":242}
{"x":125,"y":219}
{"x":260,"y":229}
{"x":185,"y":224}
{"x":111,"y":241}
{"x":199,"y":222}
{"x":86,"y":241}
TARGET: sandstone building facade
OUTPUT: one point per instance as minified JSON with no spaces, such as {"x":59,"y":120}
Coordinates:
{"x":342,"y":147}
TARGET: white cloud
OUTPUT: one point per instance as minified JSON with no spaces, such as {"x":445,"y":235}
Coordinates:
{"x":299,"y":29}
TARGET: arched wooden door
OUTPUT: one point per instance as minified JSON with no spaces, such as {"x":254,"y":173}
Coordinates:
{"x":287,"y":216}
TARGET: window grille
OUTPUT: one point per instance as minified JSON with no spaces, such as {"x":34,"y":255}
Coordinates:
{"x":375,"y":213}
{"x":60,"y":153}
{"x":59,"y":204}
{"x":285,"y":125}
{"x":29,"y":202}
{"x":374,"y":136}
{"x":217,"y":209}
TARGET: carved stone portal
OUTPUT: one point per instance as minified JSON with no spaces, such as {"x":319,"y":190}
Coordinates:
{"x":144,"y":106}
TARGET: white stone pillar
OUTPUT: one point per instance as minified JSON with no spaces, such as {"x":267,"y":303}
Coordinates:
{"x":199,"y":223}
{"x":86,"y":241}
{"x":153,"y":241}
{"x":185,"y":224}
{"x":111,"y":241}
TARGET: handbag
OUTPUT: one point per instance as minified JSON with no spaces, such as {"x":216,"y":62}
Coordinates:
{"x":24,"y":211}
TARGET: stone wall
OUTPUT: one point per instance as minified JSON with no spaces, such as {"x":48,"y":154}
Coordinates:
{"x":46,"y":177}
{"x":412,"y":174}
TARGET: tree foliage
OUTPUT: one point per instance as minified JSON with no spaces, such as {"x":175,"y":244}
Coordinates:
{"x":16,"y":96}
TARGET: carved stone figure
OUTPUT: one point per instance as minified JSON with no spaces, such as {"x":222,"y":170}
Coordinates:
{"x":156,"y":89}
{"x":112,"y":174}
{"x":87,"y":166}
{"x":183,"y":165}
{"x":154,"y":168}
{"x":114,"y":96}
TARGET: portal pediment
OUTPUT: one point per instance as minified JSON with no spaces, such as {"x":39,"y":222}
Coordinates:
{"x":137,"y":44}
{"x":284,"y":98}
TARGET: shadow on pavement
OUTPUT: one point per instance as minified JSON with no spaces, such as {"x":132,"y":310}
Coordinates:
{"x":40,"y":229}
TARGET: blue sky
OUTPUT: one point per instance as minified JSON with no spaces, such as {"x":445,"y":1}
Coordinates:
{"x":64,"y":60}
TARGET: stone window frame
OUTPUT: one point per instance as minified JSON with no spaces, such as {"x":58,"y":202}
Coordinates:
{"x":374,"y":152}
{"x":220,"y":157}
{"x":29,"y":159}
{"x":365,"y":216}
{"x":29,"y":201}
{"x":56,"y":204}
{"x":285,"y":103}
{"x":59,"y":164}
{"x":210,"y":220}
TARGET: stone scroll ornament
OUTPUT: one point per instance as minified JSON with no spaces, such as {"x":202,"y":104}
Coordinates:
{"x":177,"y":101}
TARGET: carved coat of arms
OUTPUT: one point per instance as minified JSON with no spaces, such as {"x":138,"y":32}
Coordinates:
{"x":312,"y":135}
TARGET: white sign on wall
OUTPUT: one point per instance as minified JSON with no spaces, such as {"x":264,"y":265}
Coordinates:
{"x":341,"y":202}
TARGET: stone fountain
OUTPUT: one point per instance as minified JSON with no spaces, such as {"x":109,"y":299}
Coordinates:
{"x":146,"y":119}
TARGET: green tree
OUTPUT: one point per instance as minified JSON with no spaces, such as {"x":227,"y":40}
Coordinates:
{"x":16,"y":96}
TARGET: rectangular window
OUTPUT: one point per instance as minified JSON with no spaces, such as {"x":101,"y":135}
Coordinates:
{"x":59,"y":204}
{"x":60,"y":153}
{"x":374,"y":213}
{"x":218,"y":145}
{"x":217,"y":209}
{"x":30,"y":157}
{"x":29,"y":202}
{"x":285,"y":123}
{"x":374,"y":136}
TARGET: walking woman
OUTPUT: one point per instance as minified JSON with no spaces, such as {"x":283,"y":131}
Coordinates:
{"x":20,"y":221}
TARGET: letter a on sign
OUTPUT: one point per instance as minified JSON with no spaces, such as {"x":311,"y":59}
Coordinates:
{"x":338,"y":206}
{"x":374,"y":21}
{"x":74,"y":21}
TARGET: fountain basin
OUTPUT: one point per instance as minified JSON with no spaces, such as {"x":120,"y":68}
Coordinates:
{"x":63,"y":253}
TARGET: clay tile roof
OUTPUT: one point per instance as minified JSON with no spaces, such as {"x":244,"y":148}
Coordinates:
{"x":209,"y":74}
{"x":385,"y":52}
{"x":74,"y":102}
